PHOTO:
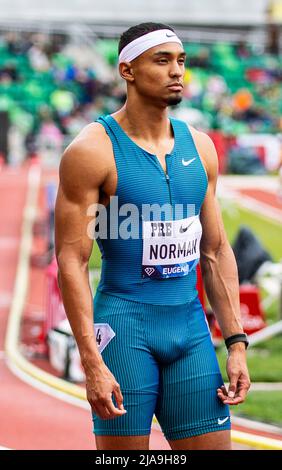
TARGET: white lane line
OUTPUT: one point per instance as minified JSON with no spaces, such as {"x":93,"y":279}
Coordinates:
{"x":269,"y":183}
{"x":256,"y":425}
{"x":21,"y":283}
{"x":35,"y":382}
{"x":249,"y":203}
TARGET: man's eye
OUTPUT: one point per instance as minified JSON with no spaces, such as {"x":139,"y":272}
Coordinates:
{"x":163,"y":61}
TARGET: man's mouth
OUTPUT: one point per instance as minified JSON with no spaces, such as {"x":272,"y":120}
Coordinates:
{"x":175,"y":86}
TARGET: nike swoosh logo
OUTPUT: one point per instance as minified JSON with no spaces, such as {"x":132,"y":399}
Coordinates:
{"x":182,"y":230}
{"x":186,"y":163}
{"x":222,"y":421}
{"x":170,"y":35}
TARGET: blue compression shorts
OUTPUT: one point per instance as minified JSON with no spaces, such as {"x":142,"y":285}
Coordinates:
{"x":164,"y":360}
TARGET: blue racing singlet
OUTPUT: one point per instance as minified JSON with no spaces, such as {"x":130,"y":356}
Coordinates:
{"x":150,"y":252}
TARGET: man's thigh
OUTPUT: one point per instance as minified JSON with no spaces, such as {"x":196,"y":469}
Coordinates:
{"x":128,"y":358}
{"x":219,"y":440}
{"x":122,"y":442}
{"x":188,"y":405}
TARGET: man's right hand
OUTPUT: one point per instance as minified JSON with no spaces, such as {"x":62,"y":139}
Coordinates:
{"x":100,"y":385}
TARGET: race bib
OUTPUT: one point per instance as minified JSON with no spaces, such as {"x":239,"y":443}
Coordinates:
{"x":170,"y":248}
{"x":104,"y":334}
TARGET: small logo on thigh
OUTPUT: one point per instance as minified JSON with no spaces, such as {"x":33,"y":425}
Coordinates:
{"x":222,"y":421}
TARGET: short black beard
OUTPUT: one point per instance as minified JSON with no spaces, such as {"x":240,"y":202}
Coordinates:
{"x":173,"y":101}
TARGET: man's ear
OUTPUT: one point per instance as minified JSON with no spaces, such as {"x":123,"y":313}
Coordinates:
{"x":126,"y":71}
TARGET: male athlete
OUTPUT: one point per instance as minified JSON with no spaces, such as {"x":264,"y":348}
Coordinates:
{"x":150,"y":352}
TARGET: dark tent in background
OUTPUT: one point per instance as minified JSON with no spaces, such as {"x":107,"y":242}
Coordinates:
{"x":249,"y":254}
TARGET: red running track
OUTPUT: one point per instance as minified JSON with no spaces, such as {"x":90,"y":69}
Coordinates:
{"x":267,"y":197}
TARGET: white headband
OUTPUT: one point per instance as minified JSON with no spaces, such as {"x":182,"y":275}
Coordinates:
{"x":145,"y":42}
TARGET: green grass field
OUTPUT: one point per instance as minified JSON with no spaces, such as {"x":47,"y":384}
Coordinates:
{"x":264,"y":361}
{"x":95,"y":259}
{"x":262,"y":406}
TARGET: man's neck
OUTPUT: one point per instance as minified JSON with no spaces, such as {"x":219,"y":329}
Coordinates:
{"x":149,"y":123}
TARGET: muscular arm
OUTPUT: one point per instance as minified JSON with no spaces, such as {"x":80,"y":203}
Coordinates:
{"x":78,"y":189}
{"x":221,"y":278}
{"x":217,"y":259}
{"x":82,"y":172}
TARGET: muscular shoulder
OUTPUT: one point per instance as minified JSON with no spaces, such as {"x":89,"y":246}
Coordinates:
{"x":207,"y":152}
{"x":85,"y":162}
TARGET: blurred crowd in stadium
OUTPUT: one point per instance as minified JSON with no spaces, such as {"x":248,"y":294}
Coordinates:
{"x":50,"y":96}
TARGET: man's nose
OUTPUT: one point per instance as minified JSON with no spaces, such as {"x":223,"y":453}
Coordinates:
{"x":176,"y":70}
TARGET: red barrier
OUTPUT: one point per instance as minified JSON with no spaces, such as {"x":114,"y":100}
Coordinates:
{"x":200,"y":286}
{"x":253,"y":317}
{"x":221,"y":149}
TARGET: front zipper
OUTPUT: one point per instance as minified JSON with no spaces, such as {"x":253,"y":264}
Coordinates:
{"x":167,"y":178}
{"x":169,"y":190}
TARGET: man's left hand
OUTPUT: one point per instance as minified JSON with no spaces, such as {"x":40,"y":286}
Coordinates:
{"x":238,"y":374}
